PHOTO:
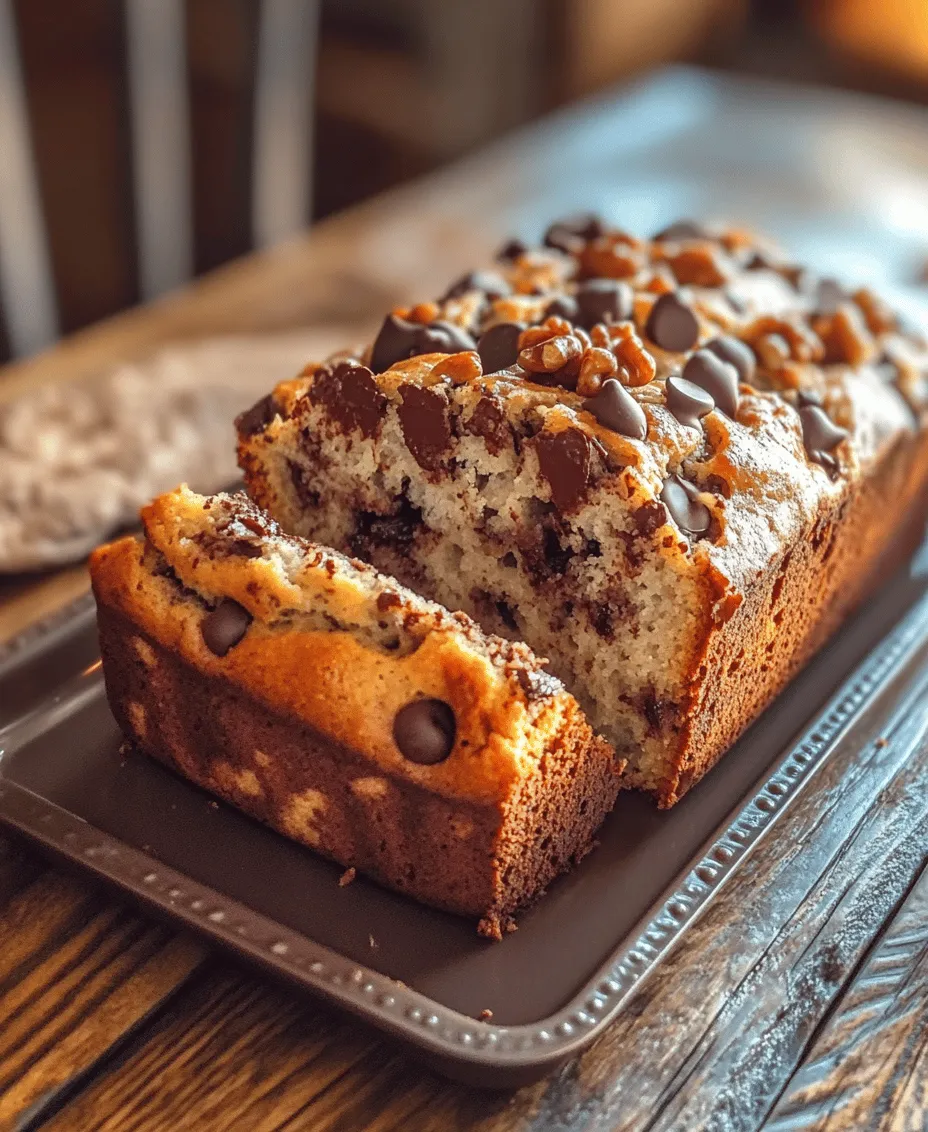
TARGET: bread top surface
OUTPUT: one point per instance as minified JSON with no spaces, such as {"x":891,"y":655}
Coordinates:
{"x":333,"y":643}
{"x":832,"y":381}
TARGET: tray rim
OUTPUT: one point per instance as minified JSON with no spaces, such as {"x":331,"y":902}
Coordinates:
{"x":460,"y":1045}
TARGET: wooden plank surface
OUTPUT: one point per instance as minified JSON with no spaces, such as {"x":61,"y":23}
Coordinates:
{"x":869,"y":1065}
{"x":711,"y":1041}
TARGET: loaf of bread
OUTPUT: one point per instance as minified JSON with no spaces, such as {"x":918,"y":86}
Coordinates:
{"x":672,"y":466}
{"x":323,"y":698}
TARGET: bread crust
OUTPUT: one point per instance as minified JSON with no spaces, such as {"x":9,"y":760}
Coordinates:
{"x":295,"y":723}
{"x":793,"y":538}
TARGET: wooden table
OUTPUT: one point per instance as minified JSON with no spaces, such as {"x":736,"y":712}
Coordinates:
{"x":815,"y":1017}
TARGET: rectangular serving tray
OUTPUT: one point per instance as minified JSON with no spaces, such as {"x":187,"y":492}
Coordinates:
{"x":421,"y":975}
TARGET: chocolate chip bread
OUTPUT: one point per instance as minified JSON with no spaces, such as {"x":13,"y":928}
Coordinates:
{"x":670,"y":465}
{"x":323,"y":698}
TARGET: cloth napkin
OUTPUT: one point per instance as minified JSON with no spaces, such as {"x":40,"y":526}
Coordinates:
{"x":78,"y":459}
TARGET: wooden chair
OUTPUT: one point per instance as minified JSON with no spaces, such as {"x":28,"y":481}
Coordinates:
{"x":160,"y":135}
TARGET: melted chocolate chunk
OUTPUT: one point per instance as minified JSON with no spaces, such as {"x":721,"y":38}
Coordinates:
{"x":686,"y":509}
{"x":350,"y":396}
{"x":395,"y":342}
{"x":424,"y":419}
{"x":489,"y":421}
{"x":424,"y":731}
{"x":616,"y":409}
{"x":718,"y":378}
{"x":499,"y":346}
{"x":258,"y":417}
{"x":681,"y":230}
{"x":820,"y":435}
{"x":604,"y":300}
{"x":688,"y":402}
{"x":568,"y":235}
{"x":565,"y":459}
{"x":442,"y":337}
{"x":492,"y":285}
{"x":737,"y":353}
{"x":564,"y":306}
{"x":224,"y":626}
{"x":672,"y":325}
{"x":399,"y":340}
{"x":393,"y":532}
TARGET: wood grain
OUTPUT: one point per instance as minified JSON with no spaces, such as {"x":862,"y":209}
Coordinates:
{"x":868,"y":1068}
{"x":77,"y":973}
{"x":235,"y":1055}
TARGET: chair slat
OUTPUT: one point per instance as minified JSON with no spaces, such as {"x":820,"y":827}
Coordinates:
{"x":160,"y":120}
{"x":283,"y":120}
{"x":26,"y":284}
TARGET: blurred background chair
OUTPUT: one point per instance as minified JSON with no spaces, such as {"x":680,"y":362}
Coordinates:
{"x":147,"y":141}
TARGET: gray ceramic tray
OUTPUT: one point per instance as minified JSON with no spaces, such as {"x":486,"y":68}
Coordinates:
{"x":422,"y":975}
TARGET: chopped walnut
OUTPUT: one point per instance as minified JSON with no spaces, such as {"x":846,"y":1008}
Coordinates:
{"x":539,"y":271}
{"x":596,"y":365}
{"x":701,"y":265}
{"x":878,"y":315}
{"x":662,"y":280}
{"x":551,"y":355}
{"x":773,"y":351}
{"x":421,"y":312}
{"x":803,"y":343}
{"x":845,"y":336}
{"x":458,"y":368}
{"x":636,"y":365}
{"x":550,"y":328}
{"x":615,"y":256}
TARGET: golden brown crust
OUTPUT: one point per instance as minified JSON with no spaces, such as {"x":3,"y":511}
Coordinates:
{"x":744,"y":600}
{"x":295,"y":722}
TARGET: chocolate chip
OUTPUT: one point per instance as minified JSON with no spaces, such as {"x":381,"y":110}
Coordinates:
{"x":350,"y":396}
{"x":604,"y":300}
{"x":681,"y":230}
{"x":672,"y":324}
{"x":225,"y":626}
{"x":737,"y":353}
{"x":719,"y":378}
{"x":808,"y":397}
{"x":492,"y":285}
{"x":489,"y":421}
{"x":498,"y":347}
{"x":820,"y":435}
{"x":258,"y":417}
{"x":511,"y":250}
{"x":395,"y":342}
{"x":565,"y":460}
{"x":686,"y":509}
{"x":569,"y":235}
{"x":616,"y":409}
{"x":424,"y":419}
{"x":687,"y":401}
{"x":424,"y":731}
{"x":564,"y":306}
{"x":442,"y":337}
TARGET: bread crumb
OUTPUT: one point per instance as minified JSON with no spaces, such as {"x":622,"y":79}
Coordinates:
{"x":213,"y":805}
{"x":881,"y":742}
{"x":373,"y":942}
{"x":347,"y":877}
{"x":485,"y":1016}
